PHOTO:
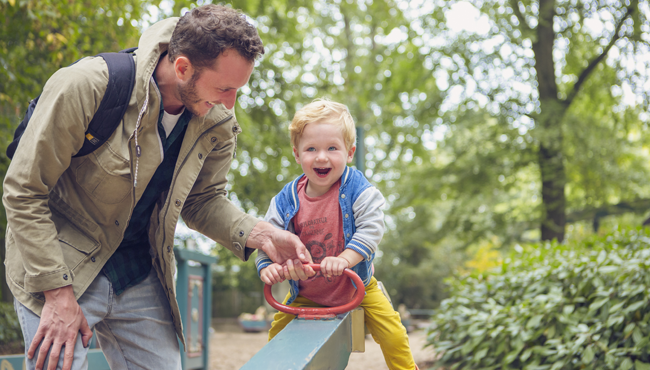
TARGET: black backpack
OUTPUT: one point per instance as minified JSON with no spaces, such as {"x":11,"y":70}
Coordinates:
{"x":121,"y":78}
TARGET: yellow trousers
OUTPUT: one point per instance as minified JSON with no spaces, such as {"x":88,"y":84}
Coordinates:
{"x":382,"y":320}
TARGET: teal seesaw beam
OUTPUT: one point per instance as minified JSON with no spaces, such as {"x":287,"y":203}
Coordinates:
{"x":313,"y":344}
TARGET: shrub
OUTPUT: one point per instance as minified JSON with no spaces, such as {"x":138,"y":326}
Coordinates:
{"x":552,"y":307}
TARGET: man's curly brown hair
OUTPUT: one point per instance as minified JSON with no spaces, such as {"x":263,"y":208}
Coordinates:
{"x":203,"y":33}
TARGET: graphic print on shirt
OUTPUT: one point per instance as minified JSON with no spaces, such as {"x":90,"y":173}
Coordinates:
{"x":318,"y":249}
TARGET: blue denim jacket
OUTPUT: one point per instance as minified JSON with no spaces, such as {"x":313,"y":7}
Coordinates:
{"x":363,"y":220}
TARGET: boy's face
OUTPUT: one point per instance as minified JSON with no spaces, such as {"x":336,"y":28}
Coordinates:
{"x":323,"y":156}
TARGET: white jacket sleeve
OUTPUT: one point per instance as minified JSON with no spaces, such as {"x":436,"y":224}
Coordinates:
{"x":369,"y":222}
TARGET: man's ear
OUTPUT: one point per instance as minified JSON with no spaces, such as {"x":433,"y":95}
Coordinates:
{"x":351,"y":154}
{"x":183,"y":68}
{"x":295,"y":154}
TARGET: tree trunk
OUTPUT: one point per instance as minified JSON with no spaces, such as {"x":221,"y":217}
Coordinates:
{"x":549,"y":128}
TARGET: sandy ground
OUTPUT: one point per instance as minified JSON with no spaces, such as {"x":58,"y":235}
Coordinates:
{"x":231,"y":348}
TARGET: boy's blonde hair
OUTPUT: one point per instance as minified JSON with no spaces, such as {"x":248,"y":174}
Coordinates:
{"x":321,"y":109}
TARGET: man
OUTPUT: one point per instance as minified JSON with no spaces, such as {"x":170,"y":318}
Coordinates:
{"x":90,"y":239}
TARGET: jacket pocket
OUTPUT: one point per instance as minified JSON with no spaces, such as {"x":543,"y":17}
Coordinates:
{"x":105,"y":176}
{"x":75,"y":245}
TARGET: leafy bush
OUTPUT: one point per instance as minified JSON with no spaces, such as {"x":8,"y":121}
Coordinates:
{"x":552,"y":307}
{"x":9,"y":325}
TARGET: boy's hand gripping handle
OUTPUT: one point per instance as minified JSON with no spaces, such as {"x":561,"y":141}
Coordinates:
{"x":315,"y":313}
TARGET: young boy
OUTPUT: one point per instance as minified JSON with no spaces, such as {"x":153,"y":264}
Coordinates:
{"x":336,"y":213}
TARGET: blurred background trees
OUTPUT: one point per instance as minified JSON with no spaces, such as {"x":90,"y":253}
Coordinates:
{"x":484,"y":123}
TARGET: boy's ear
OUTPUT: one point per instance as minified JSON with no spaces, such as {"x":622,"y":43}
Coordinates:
{"x":183,"y":68}
{"x":351,"y":154}
{"x":295,"y":154}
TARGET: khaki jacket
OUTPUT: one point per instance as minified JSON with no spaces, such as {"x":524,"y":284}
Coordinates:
{"x":66,"y":216}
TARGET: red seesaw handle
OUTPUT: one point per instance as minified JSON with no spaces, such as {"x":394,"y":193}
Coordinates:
{"x":320,"y":312}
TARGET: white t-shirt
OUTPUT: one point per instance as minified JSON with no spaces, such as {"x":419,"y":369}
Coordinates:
{"x":169,"y":121}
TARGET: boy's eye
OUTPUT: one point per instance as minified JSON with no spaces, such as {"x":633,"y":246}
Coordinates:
{"x":332,"y":148}
{"x":311,"y":149}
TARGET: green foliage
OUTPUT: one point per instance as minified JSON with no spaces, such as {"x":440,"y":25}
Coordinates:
{"x":9,"y":325}
{"x":486,"y":159}
{"x":37,"y":37}
{"x":411,"y":266}
{"x":552,"y":306}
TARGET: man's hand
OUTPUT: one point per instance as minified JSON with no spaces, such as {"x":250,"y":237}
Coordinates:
{"x":283,"y":248}
{"x":61,"y":321}
{"x":272,"y":274}
{"x":294,"y":270}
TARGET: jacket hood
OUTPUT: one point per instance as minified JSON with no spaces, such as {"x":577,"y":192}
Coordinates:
{"x":153,"y":42}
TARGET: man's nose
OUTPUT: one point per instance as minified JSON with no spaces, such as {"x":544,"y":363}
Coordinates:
{"x":229,"y":99}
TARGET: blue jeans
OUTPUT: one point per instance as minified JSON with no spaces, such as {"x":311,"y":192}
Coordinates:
{"x":134,"y":329}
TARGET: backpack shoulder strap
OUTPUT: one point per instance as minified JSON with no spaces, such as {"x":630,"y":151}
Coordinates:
{"x":121,"y":78}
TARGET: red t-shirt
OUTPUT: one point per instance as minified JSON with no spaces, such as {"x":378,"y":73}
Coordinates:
{"x":319,"y":225}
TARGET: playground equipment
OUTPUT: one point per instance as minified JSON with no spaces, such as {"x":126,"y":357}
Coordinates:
{"x":319,"y":337}
{"x":194,"y":296}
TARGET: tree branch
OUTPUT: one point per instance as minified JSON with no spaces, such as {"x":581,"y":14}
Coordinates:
{"x":635,"y":206}
{"x":522,"y":20}
{"x":594,"y":63}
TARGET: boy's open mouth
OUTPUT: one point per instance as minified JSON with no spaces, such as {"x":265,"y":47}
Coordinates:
{"x":322,"y":171}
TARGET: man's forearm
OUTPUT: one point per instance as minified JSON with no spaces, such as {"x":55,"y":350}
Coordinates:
{"x":260,"y":235}
{"x":279,"y":245}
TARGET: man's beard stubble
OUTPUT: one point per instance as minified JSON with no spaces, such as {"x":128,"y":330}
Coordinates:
{"x":188,"y":94}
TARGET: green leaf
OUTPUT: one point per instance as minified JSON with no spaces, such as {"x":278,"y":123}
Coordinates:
{"x":511,"y":356}
{"x":617,"y":307}
{"x":634,"y":306}
{"x":608,"y":269}
{"x":598,"y":304}
{"x":588,"y":355}
{"x":534,"y":321}
{"x":637,"y":336}
{"x":480,"y":354}
{"x":638,"y":365}
{"x":614,"y":320}
{"x":628,"y":328}
{"x":626,"y":364}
